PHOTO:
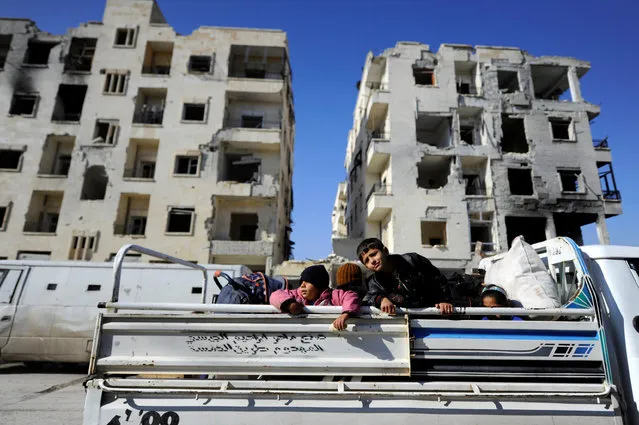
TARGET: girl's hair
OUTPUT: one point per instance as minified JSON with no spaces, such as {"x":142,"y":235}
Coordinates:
{"x":498,"y":294}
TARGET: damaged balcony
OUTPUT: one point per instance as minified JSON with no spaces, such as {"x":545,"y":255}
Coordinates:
{"x":140,"y":160}
{"x":81,"y":54}
{"x":43,"y":212}
{"x":250,"y":122}
{"x":56,"y":156}
{"x":149,"y":107}
{"x":133,"y":210}
{"x":157,"y":58}
{"x":466,"y":78}
{"x":474,"y":171}
{"x":557,"y":83}
{"x":434,"y":130}
{"x":602,"y":150}
{"x":247,"y":175}
{"x":609,"y":192}
{"x":470,"y":124}
{"x":379,"y":202}
{"x":239,"y":232}
{"x":257,"y":69}
{"x":433,"y":171}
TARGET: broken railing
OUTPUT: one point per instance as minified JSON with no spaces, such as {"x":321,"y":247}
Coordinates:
{"x":600,"y":143}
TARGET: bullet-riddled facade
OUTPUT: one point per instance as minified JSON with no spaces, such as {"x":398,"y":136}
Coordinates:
{"x":123,"y":131}
{"x":454,"y":153}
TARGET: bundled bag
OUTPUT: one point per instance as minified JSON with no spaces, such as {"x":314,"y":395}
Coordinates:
{"x":254,"y":288}
{"x":523,"y":276}
{"x":465,"y":289}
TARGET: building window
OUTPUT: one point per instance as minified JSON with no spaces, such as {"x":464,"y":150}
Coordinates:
{"x":24,"y":105}
{"x":433,"y":233}
{"x":201,"y":64}
{"x":520,"y":181}
{"x":11,"y":159}
{"x":242,"y":168}
{"x":69,"y":102}
{"x":513,"y":135}
{"x":4,"y":217}
{"x":507,"y":81}
{"x":81,"y":53}
{"x":136,"y":225}
{"x":5,"y":48}
{"x":147,"y":169}
{"x":106,"y":131}
{"x":186,"y":165}
{"x":195,"y":112}
{"x":424,"y":76}
{"x":83,"y":247}
{"x":115,"y":83}
{"x":561,"y":129}
{"x":180,"y":220}
{"x":481,"y":234}
{"x":570,"y":180}
{"x":95,"y":184}
{"x":243,"y":227}
{"x":125,"y":37}
{"x":38,"y":53}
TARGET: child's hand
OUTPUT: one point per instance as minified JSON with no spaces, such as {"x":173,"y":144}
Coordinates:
{"x":295,"y":308}
{"x":445,"y":308}
{"x":340,"y":322}
{"x":387,"y":306}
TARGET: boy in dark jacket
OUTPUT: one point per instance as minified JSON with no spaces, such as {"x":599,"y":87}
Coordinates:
{"x":408,"y":280}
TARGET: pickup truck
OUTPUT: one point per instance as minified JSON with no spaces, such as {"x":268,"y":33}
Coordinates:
{"x":199,"y":363}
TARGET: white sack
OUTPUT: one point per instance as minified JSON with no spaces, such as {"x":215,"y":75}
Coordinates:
{"x":523,"y":276}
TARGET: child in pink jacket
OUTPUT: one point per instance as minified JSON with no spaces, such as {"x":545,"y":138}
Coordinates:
{"x":314,"y":290}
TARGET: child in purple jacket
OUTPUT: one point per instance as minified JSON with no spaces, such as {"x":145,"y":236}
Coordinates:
{"x":314,"y":290}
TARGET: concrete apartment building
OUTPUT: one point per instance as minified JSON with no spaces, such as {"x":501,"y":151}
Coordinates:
{"x":123,"y":131}
{"x":454,"y":153}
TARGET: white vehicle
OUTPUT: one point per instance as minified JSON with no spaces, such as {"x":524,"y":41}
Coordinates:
{"x":48,"y":309}
{"x":149,"y":367}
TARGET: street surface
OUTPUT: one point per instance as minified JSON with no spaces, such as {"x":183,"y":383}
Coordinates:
{"x":53,"y":396}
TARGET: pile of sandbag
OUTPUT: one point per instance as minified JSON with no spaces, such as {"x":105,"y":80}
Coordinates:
{"x":523,"y":276}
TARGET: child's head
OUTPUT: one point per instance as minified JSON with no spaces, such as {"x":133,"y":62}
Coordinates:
{"x":314,"y":280}
{"x":372,"y":253}
{"x":349,"y":274}
{"x":494,"y":296}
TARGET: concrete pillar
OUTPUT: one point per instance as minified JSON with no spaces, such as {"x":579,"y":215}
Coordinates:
{"x":575,"y":87}
{"x":551,"y":230}
{"x":602,"y":230}
{"x":268,"y":266}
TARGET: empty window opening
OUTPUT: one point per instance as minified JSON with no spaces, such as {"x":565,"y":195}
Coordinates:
{"x":95,"y":183}
{"x":194,"y":112}
{"x":38,"y":53}
{"x":474,"y":185}
{"x":149,"y":108}
{"x":125,"y":37}
{"x":433,"y":171}
{"x":570,"y":224}
{"x":252,"y":121}
{"x":187,"y":165}
{"x":115,"y":83}
{"x":561,"y":129}
{"x":242,"y":168}
{"x":257,"y":62}
{"x":513,"y":137}
{"x":81,"y":53}
{"x":157,"y":58}
{"x":533,"y":229}
{"x":465,"y":76}
{"x":508,"y":81}
{"x":520,"y":181}
{"x":56,"y":156}
{"x":10,"y":159}
{"x":470,"y":122}
{"x":608,"y":183}
{"x":467,"y":134}
{"x":243,"y":227}
{"x":5,"y":48}
{"x":23,"y":104}
{"x":131,"y":215}
{"x":106,"y":131}
{"x":433,"y":233}
{"x":180,"y":220}
{"x":196,"y":290}
{"x":570,"y":180}
{"x":200,"y":64}
{"x":474,"y":171}
{"x":52,"y":286}
{"x":424,"y":76}
{"x":551,"y":82}
{"x":433,"y":130}
{"x":82,"y":247}
{"x":4,"y":217}
{"x":43,"y":212}
{"x":69,"y":102}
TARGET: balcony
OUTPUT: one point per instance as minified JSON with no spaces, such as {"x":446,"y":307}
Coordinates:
{"x":43,"y":212}
{"x":149,"y":114}
{"x":157,"y":58}
{"x":379,"y":202}
{"x":377,"y":153}
{"x":248,"y":248}
{"x":43,"y":226}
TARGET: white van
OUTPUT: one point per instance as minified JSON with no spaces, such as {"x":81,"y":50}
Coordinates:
{"x":48,"y":309}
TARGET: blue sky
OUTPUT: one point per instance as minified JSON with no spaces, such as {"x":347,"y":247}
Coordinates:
{"x":329,"y":41}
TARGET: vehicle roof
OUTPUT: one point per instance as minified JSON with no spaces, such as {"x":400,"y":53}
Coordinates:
{"x":611,"y":251}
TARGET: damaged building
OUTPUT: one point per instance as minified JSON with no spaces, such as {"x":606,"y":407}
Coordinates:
{"x":454,"y":153}
{"x":123,"y":131}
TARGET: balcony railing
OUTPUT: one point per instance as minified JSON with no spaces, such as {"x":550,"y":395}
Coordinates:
{"x":66,"y":116}
{"x":156,"y":70}
{"x":611,"y":195}
{"x":137,"y":174}
{"x":149,"y":115}
{"x":253,"y":124}
{"x":378,"y":189}
{"x":256,"y":74}
{"x":475,"y":188}
{"x":39,"y":227}
{"x":600,"y":143}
